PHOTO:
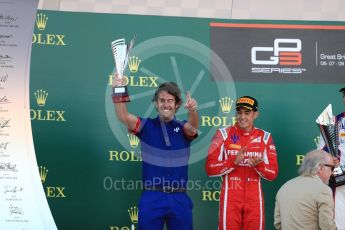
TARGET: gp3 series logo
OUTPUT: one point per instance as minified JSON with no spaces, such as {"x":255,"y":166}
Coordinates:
{"x":282,"y":53}
{"x":286,"y":52}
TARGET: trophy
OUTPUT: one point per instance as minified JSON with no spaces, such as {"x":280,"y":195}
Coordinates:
{"x":121,"y":52}
{"x":329,"y":133}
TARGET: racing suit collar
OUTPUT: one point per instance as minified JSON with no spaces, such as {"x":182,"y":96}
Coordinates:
{"x":244,"y":132}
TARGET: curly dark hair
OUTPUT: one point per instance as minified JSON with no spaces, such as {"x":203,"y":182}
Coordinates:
{"x":170,"y":88}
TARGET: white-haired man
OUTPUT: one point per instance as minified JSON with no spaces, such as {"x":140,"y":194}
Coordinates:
{"x":306,"y":201}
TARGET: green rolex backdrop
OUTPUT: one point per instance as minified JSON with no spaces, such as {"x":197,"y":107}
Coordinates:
{"x":90,"y":166}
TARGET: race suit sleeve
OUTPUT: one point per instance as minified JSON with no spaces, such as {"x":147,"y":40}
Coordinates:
{"x":218,"y":163}
{"x":137,"y":128}
{"x":268,"y":168}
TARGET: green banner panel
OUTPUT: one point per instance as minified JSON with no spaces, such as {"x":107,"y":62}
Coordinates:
{"x":90,"y":166}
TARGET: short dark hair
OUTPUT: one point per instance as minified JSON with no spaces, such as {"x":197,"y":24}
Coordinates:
{"x":342,"y":90}
{"x":170,"y":88}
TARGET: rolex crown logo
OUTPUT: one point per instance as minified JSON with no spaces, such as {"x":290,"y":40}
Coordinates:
{"x":317,"y":141}
{"x":226,"y":104}
{"x":41,"y":21}
{"x":43,"y":173}
{"x":133,"y":140}
{"x":41,"y":97}
{"x":133,"y":214}
{"x":133,"y":64}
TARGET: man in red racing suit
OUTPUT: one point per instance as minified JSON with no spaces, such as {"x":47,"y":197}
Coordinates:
{"x":242,"y":154}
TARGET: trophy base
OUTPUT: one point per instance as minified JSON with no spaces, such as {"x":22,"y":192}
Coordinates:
{"x":336,"y":181}
{"x":120,"y":94}
{"x":338,"y":178}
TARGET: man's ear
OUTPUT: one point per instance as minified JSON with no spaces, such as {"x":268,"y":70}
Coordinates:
{"x":178,"y":105}
{"x":256,"y":114}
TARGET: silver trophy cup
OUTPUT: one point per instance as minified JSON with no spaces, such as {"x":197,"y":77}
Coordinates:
{"x":121,"y":52}
{"x":329,"y":132}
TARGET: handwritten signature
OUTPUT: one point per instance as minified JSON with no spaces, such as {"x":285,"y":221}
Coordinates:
{"x":8,"y":167}
{"x":3,"y":78}
{"x":5,"y":123}
{"x":12,"y":189}
{"x":8,"y":17}
{"x":4,"y":100}
{"x":15,"y":210}
{"x":3,"y":145}
{"x":5,"y":56}
{"x":6,"y":36}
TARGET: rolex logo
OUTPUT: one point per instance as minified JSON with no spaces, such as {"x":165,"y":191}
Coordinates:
{"x":41,"y":97}
{"x":133,"y":140}
{"x":41,"y":21}
{"x":45,"y":115}
{"x":133,"y":64}
{"x":317,"y":141}
{"x":226,"y":104}
{"x":133,"y":214}
{"x":43,"y":173}
{"x":42,"y":38}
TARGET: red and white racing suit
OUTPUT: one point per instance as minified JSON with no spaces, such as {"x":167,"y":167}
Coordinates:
{"x":241,"y":198}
